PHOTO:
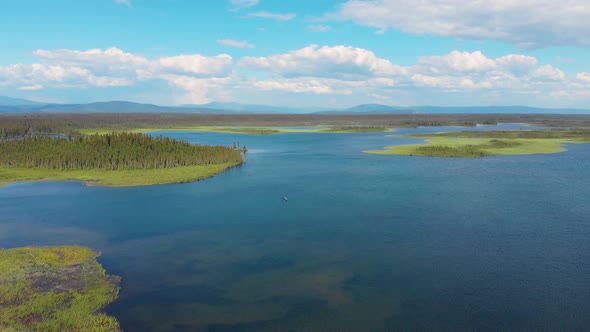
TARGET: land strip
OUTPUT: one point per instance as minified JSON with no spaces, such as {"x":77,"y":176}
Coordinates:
{"x":475,"y":144}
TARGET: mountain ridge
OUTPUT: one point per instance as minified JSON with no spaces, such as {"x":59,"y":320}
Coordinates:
{"x":18,"y":105}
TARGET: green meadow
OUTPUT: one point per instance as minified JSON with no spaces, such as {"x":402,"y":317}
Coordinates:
{"x":472,"y":144}
{"x":114,"y":178}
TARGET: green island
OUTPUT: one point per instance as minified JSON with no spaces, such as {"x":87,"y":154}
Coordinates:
{"x":475,"y":144}
{"x":116,"y":159}
{"x":55,"y":289}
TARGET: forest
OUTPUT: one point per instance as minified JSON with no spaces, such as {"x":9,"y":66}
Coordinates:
{"x":25,"y":125}
{"x":116,"y":151}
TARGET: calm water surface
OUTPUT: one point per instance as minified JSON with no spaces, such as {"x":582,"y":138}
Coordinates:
{"x":365,"y":243}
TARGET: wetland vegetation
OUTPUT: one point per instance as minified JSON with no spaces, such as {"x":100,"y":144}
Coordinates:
{"x":475,"y":144}
{"x":22,"y":125}
{"x":55,"y":289}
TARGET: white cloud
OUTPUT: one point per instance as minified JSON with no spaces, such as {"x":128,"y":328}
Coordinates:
{"x":570,"y":94}
{"x":241,"y":4}
{"x":548,"y":73}
{"x":318,"y":28}
{"x":458,"y":62}
{"x":342,"y":62}
{"x":198,"y":90}
{"x":516,"y":63}
{"x":38,"y":74}
{"x":196,"y":65}
{"x":449,"y":82}
{"x":274,"y":16}
{"x":235,"y":43}
{"x":348,"y":72}
{"x":196,"y":74}
{"x":124,"y":2}
{"x":300,"y":85}
{"x":31,"y":87}
{"x":584,"y":77}
{"x":108,"y":61}
{"x":476,"y":62}
{"x":526,"y":23}
{"x":114,"y":61}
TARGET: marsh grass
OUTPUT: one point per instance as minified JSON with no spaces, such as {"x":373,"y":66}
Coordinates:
{"x":55,"y":289}
{"x":114,"y":178}
{"x":357,"y":129}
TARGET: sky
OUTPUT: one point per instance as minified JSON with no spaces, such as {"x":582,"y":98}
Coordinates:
{"x":298,"y":53}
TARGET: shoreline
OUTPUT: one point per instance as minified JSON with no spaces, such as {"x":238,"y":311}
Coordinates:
{"x":115,"y":179}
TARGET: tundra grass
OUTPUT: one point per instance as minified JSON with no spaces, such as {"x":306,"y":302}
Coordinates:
{"x":114,"y":178}
{"x":55,"y":289}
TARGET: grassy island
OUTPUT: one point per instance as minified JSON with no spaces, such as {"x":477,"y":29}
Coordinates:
{"x":116,"y":159}
{"x":55,"y":289}
{"x":475,"y":144}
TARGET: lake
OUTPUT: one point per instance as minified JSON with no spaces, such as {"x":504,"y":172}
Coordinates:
{"x":365,"y":242}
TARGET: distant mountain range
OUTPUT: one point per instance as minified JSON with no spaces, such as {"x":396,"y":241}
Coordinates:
{"x":8,"y":101}
{"x":16,"y":105}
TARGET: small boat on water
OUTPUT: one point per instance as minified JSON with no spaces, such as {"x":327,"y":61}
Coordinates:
{"x":285,"y":198}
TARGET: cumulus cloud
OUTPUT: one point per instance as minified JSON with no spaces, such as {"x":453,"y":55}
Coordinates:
{"x":461,"y":62}
{"x":526,"y":23}
{"x":449,"y":82}
{"x":195,"y":65}
{"x":198,"y":90}
{"x":583,"y":77}
{"x":274,"y":16}
{"x":114,"y":61}
{"x":57,"y":75}
{"x":300,"y":85}
{"x":314,"y":70}
{"x":342,"y":62}
{"x":235,"y":43}
{"x":458,"y":62}
{"x":108,"y":61}
{"x":194,"y":73}
{"x":549,"y":73}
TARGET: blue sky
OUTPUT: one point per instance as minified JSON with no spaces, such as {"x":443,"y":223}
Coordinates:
{"x":330,"y":53}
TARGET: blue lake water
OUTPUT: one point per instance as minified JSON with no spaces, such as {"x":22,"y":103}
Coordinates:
{"x":365,"y":242}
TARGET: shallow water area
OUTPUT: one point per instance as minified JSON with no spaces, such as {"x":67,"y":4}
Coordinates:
{"x":365,"y":242}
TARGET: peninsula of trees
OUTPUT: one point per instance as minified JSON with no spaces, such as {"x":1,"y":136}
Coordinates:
{"x":112,"y":159}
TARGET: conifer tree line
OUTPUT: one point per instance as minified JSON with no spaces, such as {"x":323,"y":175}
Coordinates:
{"x":116,"y":151}
{"x":25,"y":126}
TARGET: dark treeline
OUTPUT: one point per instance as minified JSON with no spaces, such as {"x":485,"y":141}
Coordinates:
{"x":20,"y":125}
{"x":24,"y":126}
{"x":115,"y":151}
